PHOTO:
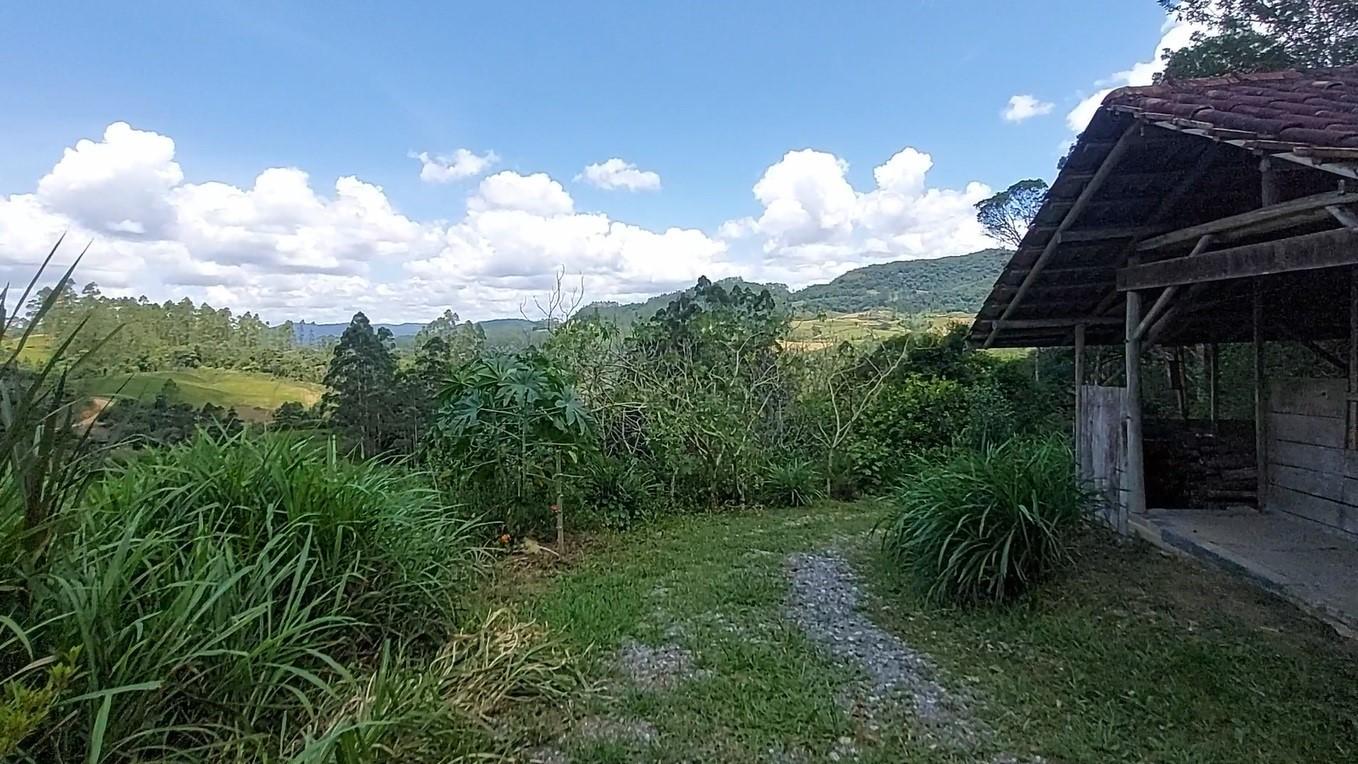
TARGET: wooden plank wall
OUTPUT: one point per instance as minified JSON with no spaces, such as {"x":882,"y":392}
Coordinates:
{"x":1310,"y":472}
{"x":1099,"y":453}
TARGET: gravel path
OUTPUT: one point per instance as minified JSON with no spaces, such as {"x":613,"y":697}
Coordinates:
{"x":824,"y":602}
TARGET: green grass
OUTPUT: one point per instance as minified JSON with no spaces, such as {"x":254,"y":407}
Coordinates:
{"x":1130,"y":657}
{"x":249,"y":393}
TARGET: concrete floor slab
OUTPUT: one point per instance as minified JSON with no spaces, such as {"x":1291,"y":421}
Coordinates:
{"x":1314,"y":568}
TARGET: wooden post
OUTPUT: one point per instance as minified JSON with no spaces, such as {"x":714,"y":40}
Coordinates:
{"x":1135,"y":477}
{"x":1352,"y":436}
{"x":1213,"y":402}
{"x":1260,"y":398}
{"x":1079,"y":391}
{"x":1268,"y":183}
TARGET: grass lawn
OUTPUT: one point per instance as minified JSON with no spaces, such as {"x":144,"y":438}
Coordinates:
{"x":253,"y":395}
{"x":1131,"y":657}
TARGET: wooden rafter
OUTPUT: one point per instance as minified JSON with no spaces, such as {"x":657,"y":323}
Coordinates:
{"x":1128,"y":137}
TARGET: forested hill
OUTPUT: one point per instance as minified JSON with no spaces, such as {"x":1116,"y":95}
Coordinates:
{"x":955,"y":284}
{"x":625,"y":313}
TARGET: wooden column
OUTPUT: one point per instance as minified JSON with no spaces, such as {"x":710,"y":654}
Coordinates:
{"x":1260,"y":397}
{"x":1079,"y":389}
{"x":1268,"y":183}
{"x":1351,"y":439}
{"x":1135,"y":477}
{"x":1213,"y":402}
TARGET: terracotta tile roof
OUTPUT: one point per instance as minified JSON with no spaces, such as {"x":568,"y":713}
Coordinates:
{"x":1316,"y":107}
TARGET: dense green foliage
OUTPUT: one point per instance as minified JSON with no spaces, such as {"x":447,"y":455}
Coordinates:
{"x":985,"y":525}
{"x":1263,"y":35}
{"x":212,"y":593}
{"x":172,"y":335}
{"x":702,"y":406}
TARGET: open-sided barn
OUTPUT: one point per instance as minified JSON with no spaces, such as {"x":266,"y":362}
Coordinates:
{"x":1196,"y":214}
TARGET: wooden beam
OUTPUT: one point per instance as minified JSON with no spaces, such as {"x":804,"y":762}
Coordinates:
{"x":1326,"y":249}
{"x":1135,"y":457}
{"x":1108,"y":234}
{"x":1128,"y":137}
{"x":1246,"y":219}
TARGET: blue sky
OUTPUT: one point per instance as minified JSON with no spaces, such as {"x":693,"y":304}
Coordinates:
{"x":705,"y":101}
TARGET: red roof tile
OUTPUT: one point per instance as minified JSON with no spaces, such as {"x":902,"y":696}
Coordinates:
{"x":1317,"y":107}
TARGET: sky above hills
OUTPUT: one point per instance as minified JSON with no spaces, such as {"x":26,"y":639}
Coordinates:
{"x":304,"y":160}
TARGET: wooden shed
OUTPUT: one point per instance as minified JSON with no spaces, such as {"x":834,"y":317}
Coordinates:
{"x":1201,"y":214}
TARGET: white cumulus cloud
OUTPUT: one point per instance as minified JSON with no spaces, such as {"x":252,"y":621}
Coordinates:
{"x":1175,"y":34}
{"x":289,"y":245}
{"x":457,"y":166}
{"x":615,"y":174}
{"x":815,"y":224}
{"x":1024,"y":107}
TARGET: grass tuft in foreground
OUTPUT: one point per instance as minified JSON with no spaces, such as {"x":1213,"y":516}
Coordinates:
{"x":228,"y":599}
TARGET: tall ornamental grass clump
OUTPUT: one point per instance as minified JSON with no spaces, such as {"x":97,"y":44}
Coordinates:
{"x":982,"y":526}
{"x":214,"y":595}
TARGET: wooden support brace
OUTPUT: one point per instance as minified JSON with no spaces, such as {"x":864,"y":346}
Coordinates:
{"x":1344,"y":215}
{"x":1153,"y":326}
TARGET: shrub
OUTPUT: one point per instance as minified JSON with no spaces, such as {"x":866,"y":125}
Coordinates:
{"x":913,"y":413}
{"x":792,"y":482}
{"x":618,"y":493}
{"x":983,"y":526}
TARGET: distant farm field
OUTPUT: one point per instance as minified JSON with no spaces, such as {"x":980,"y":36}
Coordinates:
{"x":253,"y":395}
{"x":818,"y":332}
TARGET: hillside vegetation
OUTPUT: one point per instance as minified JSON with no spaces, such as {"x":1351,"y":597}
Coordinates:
{"x":956,"y":284}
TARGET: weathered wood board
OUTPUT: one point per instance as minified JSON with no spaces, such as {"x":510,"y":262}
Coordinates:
{"x":1101,"y":449}
{"x":1310,"y":472}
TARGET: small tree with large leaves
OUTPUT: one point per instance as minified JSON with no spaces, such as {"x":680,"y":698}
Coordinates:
{"x":509,"y":429}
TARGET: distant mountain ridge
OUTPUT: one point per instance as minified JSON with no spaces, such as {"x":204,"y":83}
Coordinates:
{"x":956,"y":284}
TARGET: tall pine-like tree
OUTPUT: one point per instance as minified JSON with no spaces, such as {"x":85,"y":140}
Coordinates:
{"x":361,"y":399}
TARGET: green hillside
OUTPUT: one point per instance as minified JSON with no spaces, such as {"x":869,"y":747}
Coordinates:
{"x":942,"y":285}
{"x":253,"y":395}
{"x":951,"y":285}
